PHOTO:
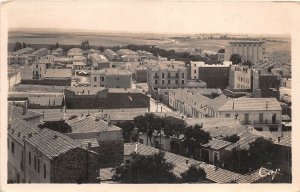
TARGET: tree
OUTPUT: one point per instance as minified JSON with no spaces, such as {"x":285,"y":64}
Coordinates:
{"x":194,"y":174}
{"x":194,"y":137}
{"x":262,"y":151}
{"x":56,"y":46}
{"x":17,"y":46}
{"x":238,"y":160}
{"x":232,"y":138}
{"x":148,"y":123}
{"x":127,"y":127}
{"x":24,"y":45}
{"x":248,"y":63}
{"x":146,"y":169}
{"x":235,"y":58}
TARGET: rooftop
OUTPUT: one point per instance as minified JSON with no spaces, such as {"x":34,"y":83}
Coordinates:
{"x":251,"y":104}
{"x":217,"y":144}
{"x":25,"y":51}
{"x":15,"y":112}
{"x":110,"y":71}
{"x":58,"y":73}
{"x":126,"y":52}
{"x":90,"y":125}
{"x":213,"y":122}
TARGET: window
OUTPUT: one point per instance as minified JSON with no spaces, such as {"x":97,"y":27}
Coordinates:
{"x":155,"y":82}
{"x":195,"y":71}
{"x":34,"y":162}
{"x":95,"y":79}
{"x":273,"y":128}
{"x":12,"y":147}
{"x":44,"y":171}
{"x":33,"y":73}
{"x":182,"y":81}
{"x":36,"y":66}
{"x":29,"y":158}
{"x":36,"y":73}
{"x":141,"y":141}
{"x":246,"y":118}
{"x":261,"y":118}
{"x":38,"y":165}
{"x":163,"y":75}
{"x":195,"y":77}
{"x":176,"y":82}
{"x":102,"y":78}
{"x":169,"y":82}
{"x":227,"y":115}
{"x":194,"y":65}
{"x":182,"y":75}
{"x":169,"y":75}
{"x":163,"y":82}
{"x":176,"y":74}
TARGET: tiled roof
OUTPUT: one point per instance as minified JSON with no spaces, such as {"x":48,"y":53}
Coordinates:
{"x":41,"y":51}
{"x":52,"y":143}
{"x":216,"y":175}
{"x":58,"y":73}
{"x":284,"y":141}
{"x":90,"y":124}
{"x":202,"y":91}
{"x":19,"y":128}
{"x":79,"y":63}
{"x":217,"y":144}
{"x":251,"y":104}
{"x":17,"y":112}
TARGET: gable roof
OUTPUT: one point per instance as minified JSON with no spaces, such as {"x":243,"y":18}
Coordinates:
{"x":217,"y":144}
{"x":52,"y":143}
{"x":91,"y":125}
{"x":251,"y":104}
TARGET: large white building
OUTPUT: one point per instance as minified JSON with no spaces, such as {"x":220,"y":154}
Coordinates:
{"x":249,"y":50}
{"x":239,"y":77}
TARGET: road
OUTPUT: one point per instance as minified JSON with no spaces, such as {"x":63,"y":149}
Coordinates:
{"x":160,"y":107}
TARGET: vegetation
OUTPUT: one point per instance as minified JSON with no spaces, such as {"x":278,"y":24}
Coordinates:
{"x":235,"y":59}
{"x":194,"y":137}
{"x":261,"y":152}
{"x":127,"y":128}
{"x":146,"y":169}
{"x":194,"y":174}
{"x":232,"y":138}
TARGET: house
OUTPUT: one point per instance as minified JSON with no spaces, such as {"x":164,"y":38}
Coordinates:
{"x":166,"y":75}
{"x":44,"y":156}
{"x":111,"y":78}
{"x":111,"y":55}
{"x":128,"y":55}
{"x":107,"y":98}
{"x":262,"y":113}
{"x":75,"y":52}
{"x":102,"y":137}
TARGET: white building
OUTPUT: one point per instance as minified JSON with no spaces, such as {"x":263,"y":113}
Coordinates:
{"x":262,"y":113}
{"x":239,"y":77}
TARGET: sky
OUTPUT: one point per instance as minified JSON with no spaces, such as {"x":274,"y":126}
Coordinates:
{"x":186,"y":17}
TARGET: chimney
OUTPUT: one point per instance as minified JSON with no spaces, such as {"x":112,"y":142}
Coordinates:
{"x":25,"y":108}
{"x":89,"y":146}
{"x":88,"y":92}
{"x":108,"y":121}
{"x":232,"y":105}
{"x":278,"y":139}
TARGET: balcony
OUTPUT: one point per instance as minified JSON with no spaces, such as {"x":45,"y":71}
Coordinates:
{"x":266,"y":122}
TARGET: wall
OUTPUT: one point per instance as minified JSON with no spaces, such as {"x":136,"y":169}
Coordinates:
{"x":215,"y":77}
{"x":60,"y":82}
{"x":76,"y":166}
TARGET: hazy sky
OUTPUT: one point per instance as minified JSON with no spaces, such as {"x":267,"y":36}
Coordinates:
{"x":153,"y":16}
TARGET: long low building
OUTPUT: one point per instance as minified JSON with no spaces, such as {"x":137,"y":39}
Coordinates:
{"x":97,"y":98}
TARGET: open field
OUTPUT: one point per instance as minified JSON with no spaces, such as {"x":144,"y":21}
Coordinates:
{"x":48,"y":39}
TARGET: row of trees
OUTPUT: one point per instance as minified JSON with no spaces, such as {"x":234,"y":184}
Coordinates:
{"x":237,"y":59}
{"x":155,"y":169}
{"x":19,"y":45}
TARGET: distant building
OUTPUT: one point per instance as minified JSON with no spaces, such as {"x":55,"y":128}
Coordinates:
{"x":141,"y":74}
{"x":252,"y":51}
{"x":239,"y":77}
{"x":265,"y":84}
{"x":111,"y":55}
{"x":21,"y":57}
{"x":195,"y":69}
{"x":111,"y":78}
{"x":261,"y":113}
{"x":128,"y":55}
{"x":166,"y":76}
{"x":44,"y":156}
{"x":97,"y":98}
{"x":221,"y":55}
{"x":75,"y":52}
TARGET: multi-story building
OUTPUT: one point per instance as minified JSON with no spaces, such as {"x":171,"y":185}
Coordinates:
{"x":111,"y":78}
{"x":44,"y":156}
{"x":261,"y":113}
{"x":252,"y":51}
{"x":166,"y":76}
{"x":239,"y":77}
{"x":195,"y":69}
